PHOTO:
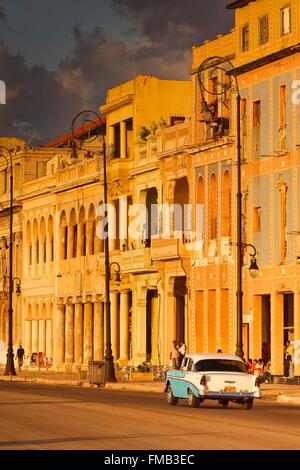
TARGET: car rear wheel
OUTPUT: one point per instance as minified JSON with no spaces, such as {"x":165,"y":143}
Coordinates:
{"x":172,"y":401}
{"x":194,"y":401}
{"x":224,"y":403}
{"x":247,"y":405}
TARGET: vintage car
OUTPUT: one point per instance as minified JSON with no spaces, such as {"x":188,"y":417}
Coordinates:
{"x":220,"y":377}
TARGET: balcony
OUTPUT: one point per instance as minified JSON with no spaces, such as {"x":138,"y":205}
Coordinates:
{"x":136,"y":261}
{"x":164,"y":249}
{"x":176,"y":137}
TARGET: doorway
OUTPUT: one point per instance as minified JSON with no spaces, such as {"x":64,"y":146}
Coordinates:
{"x":288,"y":325}
{"x":266,"y":321}
{"x":180,"y":292}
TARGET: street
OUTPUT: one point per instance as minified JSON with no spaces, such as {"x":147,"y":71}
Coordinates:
{"x":50,"y":417}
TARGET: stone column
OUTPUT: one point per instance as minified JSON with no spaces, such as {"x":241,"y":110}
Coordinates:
{"x":88,"y":332}
{"x":49,"y":253}
{"x":34,"y":258}
{"x":78,"y":340}
{"x":41,"y":255}
{"x":140,"y":331}
{"x":35,"y":336}
{"x":111,"y":140}
{"x":114,"y":324}
{"x":277,"y":339}
{"x":124,"y":311}
{"x":49,"y":339}
{"x":123,"y":224}
{"x":28,"y":338}
{"x":62,"y":242}
{"x":42,"y":336}
{"x":154,"y":327}
{"x":112,"y":226}
{"x":59,"y":334}
{"x":98,"y":331}
{"x":69,"y":336}
{"x":123,"y":139}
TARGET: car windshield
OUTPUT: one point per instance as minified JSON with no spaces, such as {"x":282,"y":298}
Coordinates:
{"x":220,"y":365}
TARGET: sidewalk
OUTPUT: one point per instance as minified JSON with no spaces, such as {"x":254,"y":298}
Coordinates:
{"x":283,"y":393}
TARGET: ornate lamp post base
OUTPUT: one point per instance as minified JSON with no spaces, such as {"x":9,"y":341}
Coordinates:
{"x":10,"y":366}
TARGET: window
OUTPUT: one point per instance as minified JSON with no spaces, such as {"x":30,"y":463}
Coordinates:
{"x":220,"y":365}
{"x":285,"y":20}
{"x":256,"y":114}
{"x":257,"y":219}
{"x":245,"y":38}
{"x":263,"y":30}
{"x":3,"y":187}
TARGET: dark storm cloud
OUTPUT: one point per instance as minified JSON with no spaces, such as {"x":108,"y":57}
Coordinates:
{"x":2,"y":13}
{"x":46,"y":101}
{"x":36,"y":100}
{"x":175,"y":23}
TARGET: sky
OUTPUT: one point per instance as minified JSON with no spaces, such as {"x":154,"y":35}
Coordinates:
{"x":59,"y":57}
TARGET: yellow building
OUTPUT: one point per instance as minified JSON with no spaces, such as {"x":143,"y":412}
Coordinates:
{"x":264,"y":48}
{"x":63,"y":259}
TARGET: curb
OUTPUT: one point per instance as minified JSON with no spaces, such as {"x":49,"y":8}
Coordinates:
{"x":136,"y":387}
{"x":290,"y":399}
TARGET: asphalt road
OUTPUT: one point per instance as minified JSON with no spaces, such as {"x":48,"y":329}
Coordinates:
{"x":49,"y":417}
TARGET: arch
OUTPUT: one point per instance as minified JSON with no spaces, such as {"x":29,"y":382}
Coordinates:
{"x":28,"y":243}
{"x":213,"y":207}
{"x":91,"y":225}
{"x":181,"y":199}
{"x":50,"y":239}
{"x":35,"y":242}
{"x":99,"y":238}
{"x":200,"y":210}
{"x":226,"y":204}
{"x":42,"y":240}
{"x":152,"y":214}
{"x":29,"y":312}
{"x":63,"y":236}
{"x":72,"y":235}
{"x":43,"y":315}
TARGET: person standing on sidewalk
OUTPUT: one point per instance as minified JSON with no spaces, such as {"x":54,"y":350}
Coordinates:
{"x":174,"y":355}
{"x":182,"y":352}
{"x":20,"y":356}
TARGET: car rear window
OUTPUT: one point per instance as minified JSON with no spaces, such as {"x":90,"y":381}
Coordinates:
{"x":220,"y":365}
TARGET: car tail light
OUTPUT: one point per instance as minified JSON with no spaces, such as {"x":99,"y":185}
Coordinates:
{"x":203,"y":380}
{"x":257,"y":382}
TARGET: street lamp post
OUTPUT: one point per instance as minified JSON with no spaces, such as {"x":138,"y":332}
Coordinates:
{"x":10,"y":367}
{"x":222,"y":71}
{"x":86,"y":117}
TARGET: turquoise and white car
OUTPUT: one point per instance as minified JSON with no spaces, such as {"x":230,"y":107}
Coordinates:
{"x":220,"y":377}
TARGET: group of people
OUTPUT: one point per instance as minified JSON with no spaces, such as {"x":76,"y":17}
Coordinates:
{"x":261,"y":369}
{"x":177,"y":353}
{"x":35,"y":359}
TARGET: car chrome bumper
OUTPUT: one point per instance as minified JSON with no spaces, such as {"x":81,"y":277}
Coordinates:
{"x":230,"y":395}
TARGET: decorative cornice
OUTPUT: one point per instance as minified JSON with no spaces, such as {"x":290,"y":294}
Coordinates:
{"x":117,"y":104}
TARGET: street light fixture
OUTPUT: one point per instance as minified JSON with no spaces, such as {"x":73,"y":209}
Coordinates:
{"x":222,"y":71}
{"x":94,"y":118}
{"x":10,"y":367}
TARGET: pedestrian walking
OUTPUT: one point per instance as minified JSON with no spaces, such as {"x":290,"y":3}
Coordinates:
{"x":174,"y":355}
{"x":20,"y":356}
